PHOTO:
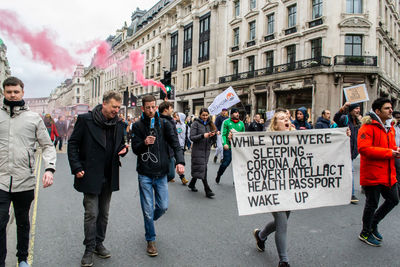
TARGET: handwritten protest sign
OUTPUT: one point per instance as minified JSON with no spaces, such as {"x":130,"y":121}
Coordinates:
{"x":356,"y":94}
{"x":291,"y":170}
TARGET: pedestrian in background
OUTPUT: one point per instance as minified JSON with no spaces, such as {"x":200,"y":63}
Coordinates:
{"x":20,"y":130}
{"x":181,"y":127}
{"x":219,"y":152}
{"x":61,"y":127}
{"x":396,"y":126}
{"x":150,"y":140}
{"x":257,"y":125}
{"x":94,"y":150}
{"x":228,"y":126}
{"x":301,"y":121}
{"x":324,"y":121}
{"x":279,"y":122}
{"x":203,"y":134}
{"x":347,"y":116}
{"x":377,"y":146}
{"x":51,"y":127}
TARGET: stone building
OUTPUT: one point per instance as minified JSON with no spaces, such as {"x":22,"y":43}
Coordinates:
{"x":274,"y":53}
{"x":38,"y":104}
{"x":4,"y":66}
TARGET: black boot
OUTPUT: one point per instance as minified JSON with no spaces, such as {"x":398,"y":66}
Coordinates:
{"x":192,"y":185}
{"x":207,"y":189}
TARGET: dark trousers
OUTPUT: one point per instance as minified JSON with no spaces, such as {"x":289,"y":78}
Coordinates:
{"x":22,"y":204}
{"x":96,"y":217}
{"x":372,"y":216}
{"x":59,"y":141}
{"x":225,"y":162}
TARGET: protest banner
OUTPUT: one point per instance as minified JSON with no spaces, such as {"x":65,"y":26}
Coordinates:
{"x":356,"y":94}
{"x":291,"y":170}
{"x":226,"y":99}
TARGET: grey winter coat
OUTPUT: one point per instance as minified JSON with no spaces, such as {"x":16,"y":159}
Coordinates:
{"x":18,"y":135}
{"x":201,"y":148}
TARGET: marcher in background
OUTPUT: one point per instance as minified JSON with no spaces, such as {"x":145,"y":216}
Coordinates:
{"x":247,"y":122}
{"x":61,"y":127}
{"x":325,"y":121}
{"x":71,"y":126}
{"x":203,"y":134}
{"x":181,"y":134}
{"x":188,"y":142}
{"x":347,"y":116}
{"x":377,"y":146}
{"x":228,"y":126}
{"x":219,"y":152}
{"x":256,"y":125}
{"x":20,"y":130}
{"x":166,"y":109}
{"x":94,"y":151}
{"x":301,"y":121}
{"x":396,"y":116}
{"x":51,"y":127}
{"x":150,"y":140}
{"x":279,"y":122}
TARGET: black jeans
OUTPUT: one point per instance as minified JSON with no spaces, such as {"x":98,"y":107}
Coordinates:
{"x":59,"y":140}
{"x":22,"y":204}
{"x":371,"y":216}
{"x":96,"y":217}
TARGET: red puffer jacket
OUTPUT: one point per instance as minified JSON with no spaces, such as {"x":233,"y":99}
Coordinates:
{"x":375,"y":146}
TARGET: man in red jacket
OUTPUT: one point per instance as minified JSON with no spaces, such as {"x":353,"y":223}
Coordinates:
{"x":377,"y":146}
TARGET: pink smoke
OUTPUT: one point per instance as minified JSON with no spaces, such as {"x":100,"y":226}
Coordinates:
{"x":102,"y":55}
{"x":41,"y":44}
{"x":137,"y":65}
{"x":88,"y":46}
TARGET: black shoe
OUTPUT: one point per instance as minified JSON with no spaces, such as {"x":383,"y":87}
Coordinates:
{"x":215,"y":159}
{"x":259,"y":242}
{"x":209,"y":192}
{"x":192,"y":185}
{"x":354,"y":200}
{"x":283,"y":264}
{"x":102,"y":252}
{"x":218,"y":179}
{"x":87,"y":259}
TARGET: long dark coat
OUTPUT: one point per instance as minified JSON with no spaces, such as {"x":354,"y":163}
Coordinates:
{"x":86,"y":151}
{"x":201,"y":148}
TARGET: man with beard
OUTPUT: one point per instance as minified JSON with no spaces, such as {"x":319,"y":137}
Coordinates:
{"x":324,"y":121}
{"x":20,"y":129}
{"x":94,"y":149}
{"x":228,"y":126}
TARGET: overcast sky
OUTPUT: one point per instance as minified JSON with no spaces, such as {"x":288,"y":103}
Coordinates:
{"x":73,"y":22}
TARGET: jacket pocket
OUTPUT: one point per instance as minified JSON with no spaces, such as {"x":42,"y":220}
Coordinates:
{"x":31,"y":160}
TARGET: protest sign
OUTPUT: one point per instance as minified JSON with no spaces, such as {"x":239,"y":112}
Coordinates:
{"x":291,"y":170}
{"x":225,"y":99}
{"x":356,"y":94}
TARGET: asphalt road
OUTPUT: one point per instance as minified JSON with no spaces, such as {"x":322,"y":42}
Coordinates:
{"x":197,"y":231}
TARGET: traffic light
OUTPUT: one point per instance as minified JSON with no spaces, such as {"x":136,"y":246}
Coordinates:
{"x":168,"y":86}
{"x":133,"y":100}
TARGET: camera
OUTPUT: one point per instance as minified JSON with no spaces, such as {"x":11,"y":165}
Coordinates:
{"x":152,"y":132}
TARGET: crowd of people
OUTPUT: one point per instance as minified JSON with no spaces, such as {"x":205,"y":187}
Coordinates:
{"x":159,"y":138}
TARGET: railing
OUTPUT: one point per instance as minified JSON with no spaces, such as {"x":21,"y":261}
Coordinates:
{"x":291,"y":30}
{"x":315,"y":22}
{"x":251,"y":43}
{"x":356,"y":60}
{"x":234,"y":48}
{"x":269,"y":37}
{"x":302,"y":64}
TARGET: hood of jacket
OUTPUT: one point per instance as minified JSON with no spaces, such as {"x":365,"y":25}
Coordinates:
{"x":304,"y":111}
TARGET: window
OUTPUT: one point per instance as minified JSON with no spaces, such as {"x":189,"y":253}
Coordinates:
{"x":159,"y":49}
{"x":237,"y":8}
{"x":353,"y":45}
{"x":204,"y":40}
{"x":251,"y":60}
{"x":253,"y":4}
{"x":270,"y":59}
{"x":354,"y":6}
{"x":252,"y":26}
{"x":316,"y":9}
{"x":153,"y":53}
{"x":174,"y":51}
{"x":316,"y":48}
{"x":77,"y":91}
{"x":78,"y":99}
{"x":270,"y":26}
{"x":79,"y":80}
{"x":235,"y":66}
{"x":292,"y":16}
{"x":291,"y":53}
{"x":187,"y":46}
{"x":236,"y":37}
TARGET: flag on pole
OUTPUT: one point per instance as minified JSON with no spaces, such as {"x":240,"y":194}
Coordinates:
{"x":226,"y":99}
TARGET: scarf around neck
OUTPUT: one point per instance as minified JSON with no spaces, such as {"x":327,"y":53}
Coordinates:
{"x":13,"y":104}
{"x":100,"y":120}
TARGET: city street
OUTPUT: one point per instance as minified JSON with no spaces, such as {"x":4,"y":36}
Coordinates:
{"x":197,"y":231}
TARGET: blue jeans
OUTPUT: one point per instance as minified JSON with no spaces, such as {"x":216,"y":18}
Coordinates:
{"x":225,"y":162}
{"x":171,"y":171}
{"x":150,"y":211}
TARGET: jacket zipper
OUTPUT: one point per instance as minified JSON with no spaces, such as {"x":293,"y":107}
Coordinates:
{"x":10,"y":184}
{"x":29,"y":161}
{"x":390,"y":173}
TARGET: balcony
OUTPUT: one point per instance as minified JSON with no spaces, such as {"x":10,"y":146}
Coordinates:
{"x":251,"y":43}
{"x":315,"y":22}
{"x":291,"y":30}
{"x":269,"y":37}
{"x":234,"y":48}
{"x":356,"y":60}
{"x":297,"y":65}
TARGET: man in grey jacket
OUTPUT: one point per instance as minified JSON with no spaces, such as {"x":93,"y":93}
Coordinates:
{"x":20,"y":129}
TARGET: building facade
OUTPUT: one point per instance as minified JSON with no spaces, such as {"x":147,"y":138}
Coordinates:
{"x":274,"y":53}
{"x":38,"y":105}
{"x":4,"y":66}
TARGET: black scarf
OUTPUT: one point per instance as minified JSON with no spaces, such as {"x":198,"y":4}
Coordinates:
{"x":13,"y":104}
{"x":100,"y":120}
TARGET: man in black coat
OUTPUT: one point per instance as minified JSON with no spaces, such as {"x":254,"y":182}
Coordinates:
{"x":94,"y":148}
{"x":324,"y":121}
{"x":151,"y":136}
{"x":256,"y":125}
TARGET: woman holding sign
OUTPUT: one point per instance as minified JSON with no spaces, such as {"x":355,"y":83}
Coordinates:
{"x":279,"y":122}
{"x":203,"y":135}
